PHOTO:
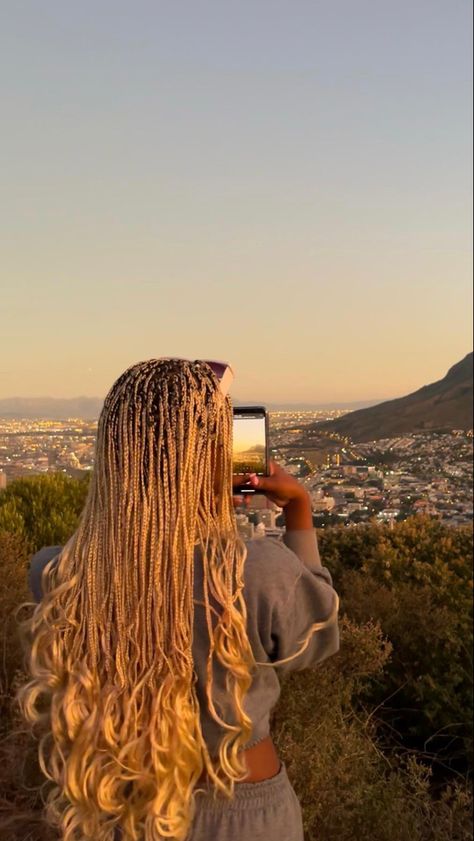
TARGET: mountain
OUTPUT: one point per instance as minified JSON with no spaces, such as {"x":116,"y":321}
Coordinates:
{"x":87,"y":408}
{"x":443,"y":405}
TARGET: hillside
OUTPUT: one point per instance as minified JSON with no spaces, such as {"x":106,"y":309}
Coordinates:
{"x":443,"y":405}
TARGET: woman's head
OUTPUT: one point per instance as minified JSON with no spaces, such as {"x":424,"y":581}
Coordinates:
{"x":112,"y":638}
{"x":165,"y":432}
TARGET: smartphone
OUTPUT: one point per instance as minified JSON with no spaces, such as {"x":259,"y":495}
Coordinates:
{"x":250,"y":444}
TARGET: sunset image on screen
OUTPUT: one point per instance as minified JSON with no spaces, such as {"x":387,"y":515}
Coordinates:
{"x":249,"y":445}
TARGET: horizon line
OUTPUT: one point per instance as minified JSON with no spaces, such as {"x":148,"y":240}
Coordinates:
{"x":237,"y":400}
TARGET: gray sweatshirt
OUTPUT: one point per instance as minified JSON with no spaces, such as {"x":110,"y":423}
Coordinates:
{"x":286,"y":590}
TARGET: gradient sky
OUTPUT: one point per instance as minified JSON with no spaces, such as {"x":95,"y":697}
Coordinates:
{"x":248,"y":433}
{"x":284,"y":185}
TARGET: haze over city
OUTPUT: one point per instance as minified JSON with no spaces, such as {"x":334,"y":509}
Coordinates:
{"x":289,"y":192}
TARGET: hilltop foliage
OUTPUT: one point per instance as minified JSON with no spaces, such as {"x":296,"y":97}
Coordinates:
{"x":416,"y":581}
{"x":44,"y":509}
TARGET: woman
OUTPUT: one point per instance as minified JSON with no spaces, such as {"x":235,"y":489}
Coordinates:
{"x":154,"y":645}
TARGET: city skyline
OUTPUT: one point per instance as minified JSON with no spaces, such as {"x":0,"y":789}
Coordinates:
{"x":287,"y":192}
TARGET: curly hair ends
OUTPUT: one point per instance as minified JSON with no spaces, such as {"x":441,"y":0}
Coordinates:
{"x":112,"y":687}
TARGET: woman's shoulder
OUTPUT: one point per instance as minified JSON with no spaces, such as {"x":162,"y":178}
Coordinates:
{"x":274,"y":566}
{"x":270,"y":567}
{"x":270,"y":553}
{"x":288,"y":592}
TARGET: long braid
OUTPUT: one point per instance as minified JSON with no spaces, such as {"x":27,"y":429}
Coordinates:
{"x":113,"y":683}
{"x":113,"y":634}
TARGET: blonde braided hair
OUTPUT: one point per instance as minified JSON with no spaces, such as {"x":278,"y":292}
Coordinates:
{"x":112,"y":637}
{"x":113,"y":683}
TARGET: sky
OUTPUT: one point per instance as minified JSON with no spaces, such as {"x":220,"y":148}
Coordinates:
{"x":248,"y":433}
{"x":282,"y":185}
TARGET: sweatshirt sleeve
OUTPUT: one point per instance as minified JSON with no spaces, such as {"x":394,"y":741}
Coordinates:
{"x":310,"y":598}
{"x":304,"y":543}
{"x":37,"y":565}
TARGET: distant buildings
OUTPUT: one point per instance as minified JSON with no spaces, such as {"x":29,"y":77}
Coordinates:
{"x":424,"y":473}
{"x":245,"y":528}
{"x":268,"y":518}
{"x":322,"y":503}
{"x":29,"y":447}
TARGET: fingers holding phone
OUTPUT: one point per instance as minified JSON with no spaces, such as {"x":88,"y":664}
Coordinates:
{"x":253,"y":470}
{"x":279,"y":486}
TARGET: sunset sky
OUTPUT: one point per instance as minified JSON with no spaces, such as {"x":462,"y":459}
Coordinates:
{"x":282,"y":185}
{"x":248,"y":433}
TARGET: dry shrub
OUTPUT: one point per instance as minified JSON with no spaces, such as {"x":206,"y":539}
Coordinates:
{"x":20,"y":776}
{"x":14,"y":558}
{"x":349,"y":789}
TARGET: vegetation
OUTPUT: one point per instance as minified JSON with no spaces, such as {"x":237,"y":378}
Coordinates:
{"x":349,"y":788}
{"x":44,"y":509}
{"x":416,"y":581}
{"x":377,"y":740}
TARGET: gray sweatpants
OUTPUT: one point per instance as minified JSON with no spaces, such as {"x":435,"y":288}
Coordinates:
{"x":265,"y":811}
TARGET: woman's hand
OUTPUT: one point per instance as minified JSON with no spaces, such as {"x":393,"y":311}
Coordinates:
{"x":285,"y":491}
{"x":280,"y":487}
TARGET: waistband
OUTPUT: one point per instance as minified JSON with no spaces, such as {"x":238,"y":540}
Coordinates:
{"x":257,"y":794}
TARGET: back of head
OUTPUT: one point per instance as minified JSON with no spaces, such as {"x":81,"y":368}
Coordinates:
{"x":164,"y":445}
{"x":111,"y":654}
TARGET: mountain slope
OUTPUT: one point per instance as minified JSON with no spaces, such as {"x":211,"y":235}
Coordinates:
{"x":443,"y":405}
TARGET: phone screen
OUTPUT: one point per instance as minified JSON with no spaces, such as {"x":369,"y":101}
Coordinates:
{"x":249,"y":445}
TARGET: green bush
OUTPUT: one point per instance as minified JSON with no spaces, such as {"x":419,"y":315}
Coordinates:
{"x":416,"y":580}
{"x":44,"y":509}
